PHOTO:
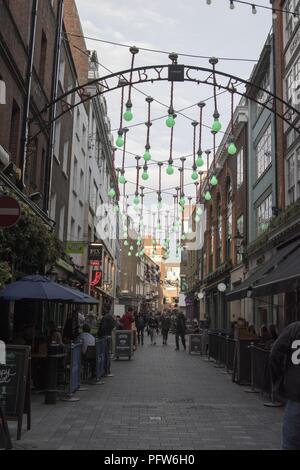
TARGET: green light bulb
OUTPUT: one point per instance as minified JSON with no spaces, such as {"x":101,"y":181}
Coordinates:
{"x":129,"y":253}
{"x":232,"y":149}
{"x":197,"y":218}
{"x":120,"y":141}
{"x":170,"y":170}
{"x":145,"y":176}
{"x":111,"y":193}
{"x":122,"y":179}
{"x":153,"y":241}
{"x":199,"y":161}
{"x":207,"y":196}
{"x":159,"y":226}
{"x":147,"y":156}
{"x":126,"y":243}
{"x":194,"y":175}
{"x":136,"y":200}
{"x":190,"y":230}
{"x":170,"y":122}
{"x":214,"y":180}
{"x":139,"y":241}
{"x":128,"y":116}
{"x":217,"y":126}
{"x":159,"y":205}
{"x":199,"y":211}
{"x":131,"y":248}
{"x":117,"y":208}
{"x":183,"y":237}
{"x":182,"y":201}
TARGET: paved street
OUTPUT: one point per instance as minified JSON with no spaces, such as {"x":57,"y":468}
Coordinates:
{"x":162,"y":399}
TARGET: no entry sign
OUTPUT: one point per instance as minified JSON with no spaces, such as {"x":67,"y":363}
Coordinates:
{"x":10,"y":212}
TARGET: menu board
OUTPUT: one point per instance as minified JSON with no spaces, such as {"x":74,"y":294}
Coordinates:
{"x":195,"y":344}
{"x":5,"y":442}
{"x":14,"y":383}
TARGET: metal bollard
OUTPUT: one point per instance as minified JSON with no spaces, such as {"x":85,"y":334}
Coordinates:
{"x":252,"y":389}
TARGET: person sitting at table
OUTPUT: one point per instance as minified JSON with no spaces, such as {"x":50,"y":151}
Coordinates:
{"x":87,"y":338}
{"x":54,"y":336}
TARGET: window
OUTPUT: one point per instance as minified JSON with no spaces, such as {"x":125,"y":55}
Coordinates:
{"x":81,"y":184}
{"x":72,"y":228}
{"x":75,"y":175}
{"x":240,"y":168}
{"x":291,"y":179}
{"x":240,"y":235}
{"x":14,"y":131}
{"x":263,"y":215}
{"x":262,"y":95}
{"x":79,"y":233}
{"x":264,"y":152}
{"x":66,"y":157}
{"x":43,"y":58}
{"x":57,"y":139}
{"x":61,"y":75}
{"x":289,"y":86}
{"x":229,"y":221}
{"x":212,"y":237}
{"x":290,"y":20}
{"x":53,"y":206}
{"x":61,"y":223}
{"x":219,"y":231}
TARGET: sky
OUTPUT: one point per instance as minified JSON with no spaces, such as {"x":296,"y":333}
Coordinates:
{"x":190,"y":27}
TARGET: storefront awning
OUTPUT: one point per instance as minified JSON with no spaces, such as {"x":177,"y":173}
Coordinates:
{"x":260,"y":273}
{"x":284,"y":278}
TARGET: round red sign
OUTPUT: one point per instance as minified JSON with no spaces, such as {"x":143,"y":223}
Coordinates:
{"x":10,"y":212}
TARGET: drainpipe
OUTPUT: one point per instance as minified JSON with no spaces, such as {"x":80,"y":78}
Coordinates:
{"x":25,"y":123}
{"x":275,"y":192}
{"x":55,"y":75}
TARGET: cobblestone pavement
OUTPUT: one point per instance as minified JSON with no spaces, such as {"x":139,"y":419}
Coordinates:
{"x":161,"y":399}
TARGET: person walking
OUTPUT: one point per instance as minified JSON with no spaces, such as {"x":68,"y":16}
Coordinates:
{"x":153,"y":326}
{"x":128,"y":319}
{"x":165,"y":327}
{"x":285,"y":372}
{"x":180,"y":330}
{"x":140,"y":326}
{"x":105,"y":330}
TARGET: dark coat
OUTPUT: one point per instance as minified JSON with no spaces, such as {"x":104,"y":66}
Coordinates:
{"x":106,"y":326}
{"x":285,"y":362}
{"x":181,"y":324}
{"x":165,"y":323}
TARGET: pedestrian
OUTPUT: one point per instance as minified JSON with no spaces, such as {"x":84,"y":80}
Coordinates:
{"x":165,"y":327}
{"x":140,"y":326}
{"x":153,"y":325}
{"x":285,"y":372}
{"x":128,"y":319}
{"x":105,"y":330}
{"x":180,"y":330}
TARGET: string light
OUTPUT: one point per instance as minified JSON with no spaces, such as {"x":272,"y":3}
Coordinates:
{"x":254,"y":11}
{"x":231,"y":5}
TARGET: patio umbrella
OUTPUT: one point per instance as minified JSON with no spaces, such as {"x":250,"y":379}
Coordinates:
{"x":41,"y":288}
{"x":84,"y":298}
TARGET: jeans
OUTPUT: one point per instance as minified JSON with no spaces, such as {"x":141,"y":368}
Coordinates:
{"x":165,"y":336}
{"x":140,"y":335}
{"x":291,"y":426}
{"x":153,"y":335}
{"x":182,"y":336}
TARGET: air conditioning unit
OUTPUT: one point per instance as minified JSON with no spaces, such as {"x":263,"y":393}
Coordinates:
{"x":4,"y":157}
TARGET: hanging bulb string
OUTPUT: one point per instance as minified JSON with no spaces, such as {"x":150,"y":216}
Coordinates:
{"x":194,"y":124}
{"x":137,"y":174}
{"x":122,"y":108}
{"x":133,"y":50}
{"x":149,"y":100}
{"x":125,"y":130}
{"x":213,"y":61}
{"x":232,"y":108}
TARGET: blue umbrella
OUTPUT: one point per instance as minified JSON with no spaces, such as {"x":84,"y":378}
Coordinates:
{"x":41,"y":288}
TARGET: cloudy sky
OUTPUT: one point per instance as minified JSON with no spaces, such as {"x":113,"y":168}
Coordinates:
{"x":190,"y":27}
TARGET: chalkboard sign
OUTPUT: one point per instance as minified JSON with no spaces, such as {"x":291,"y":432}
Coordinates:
{"x":14,"y":383}
{"x":5,"y":442}
{"x":124,"y":344}
{"x":195,"y":344}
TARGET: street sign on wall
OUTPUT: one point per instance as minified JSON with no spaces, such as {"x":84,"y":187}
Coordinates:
{"x":10,"y":211}
{"x":75,"y":248}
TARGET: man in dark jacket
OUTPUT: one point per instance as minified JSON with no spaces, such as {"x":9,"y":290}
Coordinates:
{"x":285,"y":370}
{"x":165,"y":326}
{"x":106,"y":327}
{"x":180,"y":330}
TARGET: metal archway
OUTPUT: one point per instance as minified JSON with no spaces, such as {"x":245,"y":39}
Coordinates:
{"x":173,"y":73}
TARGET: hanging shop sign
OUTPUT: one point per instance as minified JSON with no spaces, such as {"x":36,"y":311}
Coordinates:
{"x":75,"y":248}
{"x":95,"y":251}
